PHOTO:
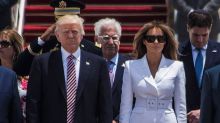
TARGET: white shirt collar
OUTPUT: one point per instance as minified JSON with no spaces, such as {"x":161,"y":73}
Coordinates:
{"x":65,"y":54}
{"x":203,"y":48}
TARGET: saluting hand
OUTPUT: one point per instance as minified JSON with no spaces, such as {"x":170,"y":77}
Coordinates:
{"x":46,"y":35}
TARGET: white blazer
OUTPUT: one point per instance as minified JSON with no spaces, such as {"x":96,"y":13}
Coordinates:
{"x":154,"y":96}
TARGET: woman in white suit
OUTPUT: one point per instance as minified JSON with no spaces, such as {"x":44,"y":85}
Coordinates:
{"x":156,"y":79}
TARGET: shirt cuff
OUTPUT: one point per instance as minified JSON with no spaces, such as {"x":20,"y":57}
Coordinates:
{"x":40,"y":41}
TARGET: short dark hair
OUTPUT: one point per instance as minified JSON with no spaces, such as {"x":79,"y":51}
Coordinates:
{"x":199,"y":18}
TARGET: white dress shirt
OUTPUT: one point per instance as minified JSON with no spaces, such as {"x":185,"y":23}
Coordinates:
{"x":76,"y":54}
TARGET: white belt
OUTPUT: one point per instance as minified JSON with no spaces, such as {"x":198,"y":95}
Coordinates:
{"x":153,"y":104}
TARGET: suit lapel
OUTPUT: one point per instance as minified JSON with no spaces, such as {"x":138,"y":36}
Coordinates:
{"x":164,"y":67}
{"x":56,"y":71}
{"x":187,"y":58}
{"x":119,"y":72}
{"x":145,"y":72}
{"x":211,"y":53}
{"x":85,"y":66}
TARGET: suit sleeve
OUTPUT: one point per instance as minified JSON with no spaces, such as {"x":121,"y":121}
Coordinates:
{"x":126,"y":96}
{"x":206,"y":111}
{"x":7,"y":4}
{"x":23,"y":63}
{"x":105,"y":100}
{"x":16,"y":113}
{"x":212,"y":6}
{"x":182,"y":6}
{"x":180,"y":96}
{"x":34,"y":94}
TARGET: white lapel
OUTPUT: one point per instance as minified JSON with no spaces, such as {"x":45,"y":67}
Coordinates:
{"x":145,"y":71}
{"x":164,"y":67}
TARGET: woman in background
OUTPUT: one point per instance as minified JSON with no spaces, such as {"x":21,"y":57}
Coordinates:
{"x":156,"y":79}
{"x":10,"y":48}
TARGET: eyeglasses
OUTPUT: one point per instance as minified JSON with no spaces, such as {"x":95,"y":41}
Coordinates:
{"x":5,"y":44}
{"x":106,"y":38}
{"x":152,"y":38}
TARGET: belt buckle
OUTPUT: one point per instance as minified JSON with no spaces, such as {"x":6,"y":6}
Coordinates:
{"x":161,"y":104}
{"x":152,"y":103}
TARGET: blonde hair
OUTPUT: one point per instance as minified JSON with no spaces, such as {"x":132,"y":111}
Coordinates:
{"x":71,"y":19}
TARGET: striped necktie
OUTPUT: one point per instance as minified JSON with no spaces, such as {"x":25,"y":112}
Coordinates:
{"x":110,"y":70}
{"x":71,"y":88}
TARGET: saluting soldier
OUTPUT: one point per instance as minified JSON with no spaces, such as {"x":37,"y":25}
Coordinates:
{"x":47,"y":42}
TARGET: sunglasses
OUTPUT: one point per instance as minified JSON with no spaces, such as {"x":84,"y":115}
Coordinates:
{"x":5,"y":44}
{"x":152,"y":38}
{"x":106,"y":38}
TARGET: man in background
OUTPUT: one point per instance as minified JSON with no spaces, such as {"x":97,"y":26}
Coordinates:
{"x":184,"y":7}
{"x":108,"y":33}
{"x":197,"y":54}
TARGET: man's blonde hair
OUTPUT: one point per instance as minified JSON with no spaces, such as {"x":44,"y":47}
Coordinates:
{"x":71,"y":19}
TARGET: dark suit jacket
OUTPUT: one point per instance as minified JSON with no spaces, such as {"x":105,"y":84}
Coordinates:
{"x":117,"y":86}
{"x":193,"y":92}
{"x":23,"y":63}
{"x":210,"y":99}
{"x":46,"y":95}
{"x":5,"y":12}
{"x":10,"y":110}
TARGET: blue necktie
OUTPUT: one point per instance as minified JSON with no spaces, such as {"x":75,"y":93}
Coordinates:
{"x":198,"y":67}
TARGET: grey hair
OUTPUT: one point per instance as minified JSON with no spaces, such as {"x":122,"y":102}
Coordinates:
{"x":71,"y":19}
{"x":105,"y":22}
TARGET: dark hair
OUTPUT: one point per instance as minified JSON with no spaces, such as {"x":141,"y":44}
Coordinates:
{"x":170,"y":49}
{"x":199,"y":18}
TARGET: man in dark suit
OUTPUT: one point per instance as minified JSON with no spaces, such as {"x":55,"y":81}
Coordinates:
{"x":108,"y":33}
{"x":46,"y":42}
{"x":184,"y":7}
{"x":210,"y":98}
{"x":10,"y":108}
{"x":49,"y":97}
{"x":199,"y":27}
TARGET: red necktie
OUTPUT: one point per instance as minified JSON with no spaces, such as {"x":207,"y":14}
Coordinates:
{"x":71,"y":88}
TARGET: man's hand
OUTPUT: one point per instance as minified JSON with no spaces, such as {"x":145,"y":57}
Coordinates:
{"x":46,"y":35}
{"x":193,"y":116}
{"x":113,"y":121}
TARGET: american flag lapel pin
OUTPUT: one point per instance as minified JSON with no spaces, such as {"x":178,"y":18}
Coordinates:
{"x":87,"y":63}
{"x":214,"y":51}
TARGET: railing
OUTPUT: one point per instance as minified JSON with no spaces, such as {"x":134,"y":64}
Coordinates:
{"x":18,"y":12}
